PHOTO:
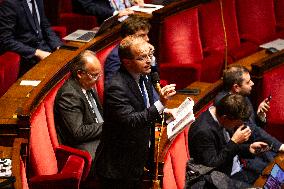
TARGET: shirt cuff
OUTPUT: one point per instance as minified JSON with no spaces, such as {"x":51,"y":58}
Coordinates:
{"x":159,"y":106}
{"x":115,"y":13}
{"x":281,"y":149}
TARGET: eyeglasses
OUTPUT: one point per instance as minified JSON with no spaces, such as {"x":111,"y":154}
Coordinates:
{"x":93,"y":76}
{"x":145,"y":57}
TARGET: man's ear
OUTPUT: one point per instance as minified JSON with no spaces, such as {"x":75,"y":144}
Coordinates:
{"x":236,"y":88}
{"x":126,"y":62}
{"x":79,"y":74}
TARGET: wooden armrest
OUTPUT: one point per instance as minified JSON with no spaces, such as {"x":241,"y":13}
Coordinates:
{"x":16,"y":154}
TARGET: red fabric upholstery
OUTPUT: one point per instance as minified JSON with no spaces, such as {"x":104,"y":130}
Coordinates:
{"x":48,"y":170}
{"x":256,"y":20}
{"x":176,"y":158}
{"x":181,"y":51}
{"x":24,"y":180}
{"x":279,"y":4}
{"x":102,"y":54}
{"x":211,"y":14}
{"x":175,"y":162}
{"x":74,"y":21}
{"x":9,"y":70}
{"x":60,"y":31}
{"x":273,"y":83}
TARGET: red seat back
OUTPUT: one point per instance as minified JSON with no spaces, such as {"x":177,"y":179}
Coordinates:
{"x":212,"y":26}
{"x":180,"y":41}
{"x":9,"y":70}
{"x":42,"y":156}
{"x":48,"y":107}
{"x":273,"y":84}
{"x":279,"y":4}
{"x":175,"y":162}
{"x":102,"y":54}
{"x":256,"y":19}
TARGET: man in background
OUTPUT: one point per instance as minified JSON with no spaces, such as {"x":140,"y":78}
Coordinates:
{"x":133,"y":25}
{"x":130,"y":113}
{"x":77,"y":109}
{"x":237,"y":80}
{"x":104,"y":9}
{"x":220,"y":138}
{"x":25,"y":30}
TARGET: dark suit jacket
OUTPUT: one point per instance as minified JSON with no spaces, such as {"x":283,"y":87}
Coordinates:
{"x":75,"y":122}
{"x":100,"y":8}
{"x":258,"y":133}
{"x":18,"y":31}
{"x":126,"y":131}
{"x":208,"y":146}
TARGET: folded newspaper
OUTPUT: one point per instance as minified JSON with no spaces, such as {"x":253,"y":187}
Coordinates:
{"x":184,"y":117}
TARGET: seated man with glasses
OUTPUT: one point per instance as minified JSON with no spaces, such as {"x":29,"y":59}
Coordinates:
{"x":77,"y":110}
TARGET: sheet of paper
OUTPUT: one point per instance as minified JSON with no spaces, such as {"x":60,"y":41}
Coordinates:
{"x":277,"y":44}
{"x":147,"y":8}
{"x":30,"y":82}
{"x":184,"y":117}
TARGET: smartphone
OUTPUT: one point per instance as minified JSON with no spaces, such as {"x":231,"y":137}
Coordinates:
{"x":269,"y":98}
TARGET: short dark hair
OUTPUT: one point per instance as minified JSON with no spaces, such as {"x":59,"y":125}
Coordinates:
{"x":133,"y":24}
{"x":124,"y":50}
{"x":233,"y":75}
{"x":234,"y":106}
{"x":80,"y":62}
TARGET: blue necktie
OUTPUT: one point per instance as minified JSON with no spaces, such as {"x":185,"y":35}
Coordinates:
{"x":141,"y":85}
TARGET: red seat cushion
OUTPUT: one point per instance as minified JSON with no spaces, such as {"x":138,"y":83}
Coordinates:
{"x":175,"y":162}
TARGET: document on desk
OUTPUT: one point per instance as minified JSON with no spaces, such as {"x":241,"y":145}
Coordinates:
{"x":277,"y":44}
{"x":184,"y":117}
{"x":146,"y":8}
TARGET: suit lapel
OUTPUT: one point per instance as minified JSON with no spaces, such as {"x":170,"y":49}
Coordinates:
{"x":29,"y":14}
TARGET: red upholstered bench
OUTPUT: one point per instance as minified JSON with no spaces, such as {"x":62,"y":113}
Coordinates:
{"x":52,"y":164}
{"x":176,"y":158}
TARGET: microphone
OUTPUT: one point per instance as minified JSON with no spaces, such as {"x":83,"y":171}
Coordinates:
{"x":156,"y":81}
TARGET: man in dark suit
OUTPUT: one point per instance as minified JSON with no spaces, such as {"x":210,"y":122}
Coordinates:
{"x":236,"y":80}
{"x":219,"y":138}
{"x":25,"y":30}
{"x":130,"y":113}
{"x":77,"y":110}
{"x":133,"y":25}
{"x":103,"y":9}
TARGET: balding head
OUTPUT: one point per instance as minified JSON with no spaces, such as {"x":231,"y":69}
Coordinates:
{"x":87,"y":69}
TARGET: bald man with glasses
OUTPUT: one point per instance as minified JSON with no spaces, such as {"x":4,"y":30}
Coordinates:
{"x":77,"y":110}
